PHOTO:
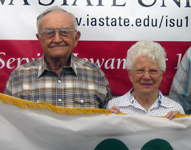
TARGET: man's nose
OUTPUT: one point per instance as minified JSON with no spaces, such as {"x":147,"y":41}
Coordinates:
{"x":57,"y":37}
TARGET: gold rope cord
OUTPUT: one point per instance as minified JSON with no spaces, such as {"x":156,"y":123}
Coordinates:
{"x":24,"y":104}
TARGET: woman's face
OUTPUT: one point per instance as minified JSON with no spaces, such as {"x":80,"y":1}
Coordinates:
{"x":145,"y":76}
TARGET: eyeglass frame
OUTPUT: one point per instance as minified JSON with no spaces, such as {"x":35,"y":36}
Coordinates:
{"x":149,"y":71}
{"x":57,"y":29}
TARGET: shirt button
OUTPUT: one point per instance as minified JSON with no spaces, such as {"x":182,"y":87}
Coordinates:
{"x":81,"y":101}
{"x":59,"y":81}
{"x":59,"y":100}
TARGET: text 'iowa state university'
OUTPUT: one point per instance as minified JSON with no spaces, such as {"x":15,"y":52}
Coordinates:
{"x":114,"y":3}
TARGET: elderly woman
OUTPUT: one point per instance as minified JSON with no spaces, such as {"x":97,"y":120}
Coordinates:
{"x":146,"y":65}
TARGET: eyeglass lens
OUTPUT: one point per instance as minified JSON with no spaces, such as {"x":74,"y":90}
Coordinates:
{"x":51,"y":32}
{"x":151,"y":71}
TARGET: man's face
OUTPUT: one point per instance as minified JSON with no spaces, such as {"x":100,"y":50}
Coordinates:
{"x":57,"y":46}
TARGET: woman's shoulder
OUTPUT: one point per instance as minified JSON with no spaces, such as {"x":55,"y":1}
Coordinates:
{"x":119,"y":100}
{"x":169,"y":101}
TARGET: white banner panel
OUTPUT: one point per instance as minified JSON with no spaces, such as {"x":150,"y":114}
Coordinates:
{"x":104,"y":20}
{"x":39,"y":129}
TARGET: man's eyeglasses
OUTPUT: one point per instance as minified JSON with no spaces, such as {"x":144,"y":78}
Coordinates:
{"x":49,"y":33}
{"x":151,"y":71}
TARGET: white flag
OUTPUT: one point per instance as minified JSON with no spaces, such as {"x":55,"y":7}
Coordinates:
{"x":42,"y":129}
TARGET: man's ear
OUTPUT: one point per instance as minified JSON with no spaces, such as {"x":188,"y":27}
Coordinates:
{"x":38,"y":36}
{"x":77,"y":37}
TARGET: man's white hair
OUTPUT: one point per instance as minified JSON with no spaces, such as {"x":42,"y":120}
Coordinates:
{"x":55,"y":8}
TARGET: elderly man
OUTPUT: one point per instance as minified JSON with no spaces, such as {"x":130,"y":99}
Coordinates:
{"x":58,"y":77}
{"x":180,"y":90}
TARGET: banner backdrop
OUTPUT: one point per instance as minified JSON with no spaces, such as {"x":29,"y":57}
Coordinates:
{"x":40,"y":129}
{"x":108,"y":27}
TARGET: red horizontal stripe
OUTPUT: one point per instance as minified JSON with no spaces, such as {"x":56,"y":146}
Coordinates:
{"x":14,"y":52}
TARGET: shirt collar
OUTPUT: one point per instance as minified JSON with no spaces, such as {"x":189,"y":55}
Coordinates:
{"x":131,"y":101}
{"x":127,"y":99}
{"x":43,"y":66}
{"x":73,"y":64}
{"x":163,"y":101}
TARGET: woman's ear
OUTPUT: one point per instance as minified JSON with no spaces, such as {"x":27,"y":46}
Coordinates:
{"x":161,"y":76}
{"x":130,"y":75}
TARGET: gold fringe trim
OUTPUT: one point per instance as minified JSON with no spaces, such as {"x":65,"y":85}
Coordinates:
{"x":179,"y":116}
{"x":24,"y":104}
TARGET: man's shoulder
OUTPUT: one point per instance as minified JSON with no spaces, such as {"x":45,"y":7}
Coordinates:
{"x":85,"y":63}
{"x":32,"y":64}
{"x":186,"y":57}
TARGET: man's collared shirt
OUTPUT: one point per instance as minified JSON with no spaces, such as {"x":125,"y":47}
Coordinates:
{"x":80,"y":85}
{"x":180,"y":90}
{"x":128,"y":104}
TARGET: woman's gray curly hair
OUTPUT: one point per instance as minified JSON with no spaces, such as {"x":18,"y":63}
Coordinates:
{"x":154,"y":51}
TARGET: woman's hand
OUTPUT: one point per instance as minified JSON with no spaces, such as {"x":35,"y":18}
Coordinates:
{"x":172,"y":114}
{"x":114,"y":109}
